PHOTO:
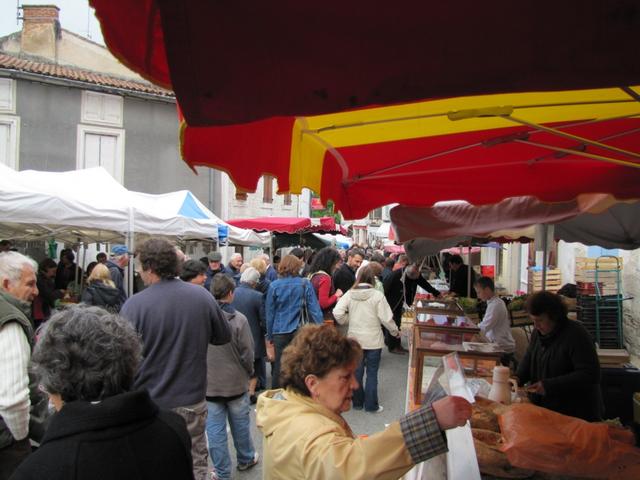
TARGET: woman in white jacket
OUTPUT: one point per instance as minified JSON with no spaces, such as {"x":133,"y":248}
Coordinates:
{"x":364,"y":308}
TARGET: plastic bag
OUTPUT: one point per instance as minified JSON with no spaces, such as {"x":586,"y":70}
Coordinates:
{"x":547,"y":441}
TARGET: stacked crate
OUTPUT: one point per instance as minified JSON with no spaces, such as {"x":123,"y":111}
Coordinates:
{"x":607,"y":275}
{"x":599,"y":305}
{"x":553,"y":282}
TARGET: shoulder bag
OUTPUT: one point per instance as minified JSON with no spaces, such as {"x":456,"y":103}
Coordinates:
{"x":305,"y":318}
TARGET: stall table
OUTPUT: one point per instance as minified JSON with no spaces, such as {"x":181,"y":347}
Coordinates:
{"x":430,"y":343}
{"x":447,"y":307}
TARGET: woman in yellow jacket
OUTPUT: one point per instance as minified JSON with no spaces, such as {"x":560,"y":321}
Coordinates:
{"x":305,"y":436}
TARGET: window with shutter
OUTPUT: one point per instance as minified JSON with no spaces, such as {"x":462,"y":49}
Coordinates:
{"x":101,"y":147}
{"x":7,"y":95}
{"x":102,"y":109}
{"x":9,"y":126}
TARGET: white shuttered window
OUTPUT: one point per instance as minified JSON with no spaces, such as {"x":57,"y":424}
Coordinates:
{"x":9,"y":126}
{"x":102,"y":109}
{"x":101,"y":147}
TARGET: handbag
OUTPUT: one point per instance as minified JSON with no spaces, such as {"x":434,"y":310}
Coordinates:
{"x":305,"y":318}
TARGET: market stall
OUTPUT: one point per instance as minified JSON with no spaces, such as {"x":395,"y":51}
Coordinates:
{"x":569,"y":111}
{"x":90,"y":206}
{"x":292,"y":231}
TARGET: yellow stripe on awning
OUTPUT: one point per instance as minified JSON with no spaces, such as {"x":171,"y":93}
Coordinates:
{"x":429,"y":118}
{"x":314,"y":135}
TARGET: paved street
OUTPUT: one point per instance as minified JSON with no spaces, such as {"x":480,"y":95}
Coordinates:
{"x":392,"y":380}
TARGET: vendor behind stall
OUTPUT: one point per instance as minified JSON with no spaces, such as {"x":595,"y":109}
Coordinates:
{"x":496,"y":324}
{"x":561,"y":366}
{"x":400,"y":288}
{"x":459,"y":283}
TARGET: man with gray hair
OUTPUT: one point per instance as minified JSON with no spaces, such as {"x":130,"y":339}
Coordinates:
{"x":233,"y":268}
{"x":248,"y":301}
{"x":18,"y":288}
{"x":271,"y":273}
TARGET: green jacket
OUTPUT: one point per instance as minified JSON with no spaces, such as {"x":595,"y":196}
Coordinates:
{"x":14,"y":310}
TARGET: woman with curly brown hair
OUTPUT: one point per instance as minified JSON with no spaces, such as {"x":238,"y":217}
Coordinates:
{"x":305,"y":435}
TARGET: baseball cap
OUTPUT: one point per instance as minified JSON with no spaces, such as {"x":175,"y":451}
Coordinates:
{"x":214,"y":257}
{"x":119,"y":250}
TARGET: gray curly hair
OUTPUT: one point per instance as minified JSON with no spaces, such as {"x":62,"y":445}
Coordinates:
{"x":87,"y":353}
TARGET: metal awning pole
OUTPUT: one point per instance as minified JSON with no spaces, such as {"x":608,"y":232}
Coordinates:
{"x":469,"y":270}
{"x":130,"y":239}
{"x":545,"y":248}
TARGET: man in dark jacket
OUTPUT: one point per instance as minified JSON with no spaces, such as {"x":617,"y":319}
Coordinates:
{"x":271,"y":274}
{"x":177,"y":321}
{"x":345,"y":276}
{"x":459,"y":283}
{"x":47,"y":292}
{"x":116,"y":265}
{"x":399,"y":288}
{"x":215,"y":267}
{"x":233,"y":268}
{"x":250,"y":303}
{"x":67,"y":271}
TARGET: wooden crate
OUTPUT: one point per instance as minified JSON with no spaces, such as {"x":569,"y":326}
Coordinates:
{"x":589,"y":288}
{"x":590,"y":276}
{"x":553,"y":283}
{"x":584,"y":263}
{"x":613,"y":358}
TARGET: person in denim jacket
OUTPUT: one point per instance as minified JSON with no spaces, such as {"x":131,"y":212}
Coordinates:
{"x":283,"y":305}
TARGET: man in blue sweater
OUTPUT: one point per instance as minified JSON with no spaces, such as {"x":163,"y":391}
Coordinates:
{"x":177,"y":322}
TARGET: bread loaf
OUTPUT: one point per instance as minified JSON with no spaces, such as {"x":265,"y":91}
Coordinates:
{"x":493,"y":462}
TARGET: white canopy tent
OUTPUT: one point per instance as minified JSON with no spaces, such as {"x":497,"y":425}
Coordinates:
{"x":89,"y":205}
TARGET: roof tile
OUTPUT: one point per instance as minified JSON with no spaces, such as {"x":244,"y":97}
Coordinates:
{"x":78,"y":74}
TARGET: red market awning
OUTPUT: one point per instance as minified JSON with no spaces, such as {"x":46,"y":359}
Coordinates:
{"x":237,"y":62}
{"x":328,"y":225}
{"x":297,"y":225}
{"x":255,"y":82}
{"x":273,"y":224}
{"x":553,"y":146}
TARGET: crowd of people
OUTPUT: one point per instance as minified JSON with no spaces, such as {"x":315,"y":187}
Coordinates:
{"x":188,"y":353}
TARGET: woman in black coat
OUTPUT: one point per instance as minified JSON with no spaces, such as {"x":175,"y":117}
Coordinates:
{"x":101,"y":428}
{"x":45,"y":302}
{"x":561,"y":366}
{"x":101,"y":291}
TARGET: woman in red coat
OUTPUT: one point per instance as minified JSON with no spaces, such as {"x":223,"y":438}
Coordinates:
{"x":322,"y":268}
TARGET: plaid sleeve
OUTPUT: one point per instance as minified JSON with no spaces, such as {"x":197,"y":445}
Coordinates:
{"x":422,"y":434}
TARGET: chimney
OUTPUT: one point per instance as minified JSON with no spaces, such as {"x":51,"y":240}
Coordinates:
{"x":40,"y":31}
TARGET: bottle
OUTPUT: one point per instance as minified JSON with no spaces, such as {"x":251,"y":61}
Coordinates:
{"x":502,"y":385}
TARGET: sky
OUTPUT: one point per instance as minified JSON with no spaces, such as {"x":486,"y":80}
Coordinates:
{"x":75,"y":15}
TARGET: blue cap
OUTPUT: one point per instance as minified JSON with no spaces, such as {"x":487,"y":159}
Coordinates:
{"x":119,"y":250}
